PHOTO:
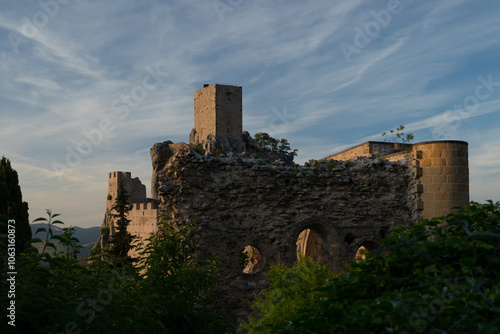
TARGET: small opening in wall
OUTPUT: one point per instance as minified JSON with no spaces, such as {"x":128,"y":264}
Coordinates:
{"x":251,"y":260}
{"x":384,"y":233}
{"x":363,"y":250}
{"x":349,"y":239}
{"x":360,"y":254}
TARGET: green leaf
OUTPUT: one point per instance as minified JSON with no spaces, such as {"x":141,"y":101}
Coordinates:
{"x":41,"y":229}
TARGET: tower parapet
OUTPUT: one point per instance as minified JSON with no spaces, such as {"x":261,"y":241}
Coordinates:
{"x":134,"y":187}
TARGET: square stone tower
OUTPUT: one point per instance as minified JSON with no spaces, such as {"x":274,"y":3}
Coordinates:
{"x":218,"y":111}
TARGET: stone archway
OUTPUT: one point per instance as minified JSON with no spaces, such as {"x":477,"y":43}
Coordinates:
{"x":311,"y":243}
{"x":318,"y":239}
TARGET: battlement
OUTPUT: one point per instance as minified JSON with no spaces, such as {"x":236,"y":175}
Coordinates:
{"x":134,"y":187}
{"x":119,"y":174}
{"x":145,"y":206}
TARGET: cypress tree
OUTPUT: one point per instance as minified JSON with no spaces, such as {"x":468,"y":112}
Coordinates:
{"x":121,"y":241}
{"x":12,"y":205}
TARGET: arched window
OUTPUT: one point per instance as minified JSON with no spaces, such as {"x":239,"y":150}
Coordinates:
{"x":311,"y":243}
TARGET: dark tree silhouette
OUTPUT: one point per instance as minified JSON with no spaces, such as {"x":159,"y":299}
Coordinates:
{"x":121,"y":241}
{"x":12,"y":205}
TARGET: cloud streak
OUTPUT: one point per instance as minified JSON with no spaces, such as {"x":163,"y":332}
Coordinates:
{"x":65,"y":79}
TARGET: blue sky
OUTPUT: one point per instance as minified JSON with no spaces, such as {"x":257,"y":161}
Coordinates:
{"x":326,"y":75}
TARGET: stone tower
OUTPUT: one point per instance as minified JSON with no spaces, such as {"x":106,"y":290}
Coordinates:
{"x":218,"y":112}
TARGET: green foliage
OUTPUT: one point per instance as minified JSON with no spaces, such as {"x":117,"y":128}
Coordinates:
{"x":440,"y":276}
{"x":109,"y":197}
{"x":12,"y":205}
{"x":331,"y":165}
{"x":290,"y":290}
{"x":182,"y":280}
{"x":350,"y":163}
{"x":105,"y":230}
{"x":398,"y":135}
{"x":121,"y":241}
{"x":198,"y":149}
{"x":172,"y":294}
{"x":281,"y":146}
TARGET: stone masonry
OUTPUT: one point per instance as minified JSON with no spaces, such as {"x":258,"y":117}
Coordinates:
{"x":273,"y":210}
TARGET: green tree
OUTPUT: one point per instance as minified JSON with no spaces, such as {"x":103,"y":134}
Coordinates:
{"x":281,"y":146}
{"x":398,"y":135}
{"x":180,"y":280}
{"x":173,"y":294}
{"x":439,"y":276}
{"x":12,"y":205}
{"x":290,"y":289}
{"x":121,"y":241}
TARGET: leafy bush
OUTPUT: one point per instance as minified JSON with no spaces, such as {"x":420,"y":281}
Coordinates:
{"x":198,"y":149}
{"x":290,"y":290}
{"x":440,"y":276}
{"x":171,"y":294}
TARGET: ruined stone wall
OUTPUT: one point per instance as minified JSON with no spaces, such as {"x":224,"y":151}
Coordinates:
{"x":440,"y":167}
{"x":241,"y":202}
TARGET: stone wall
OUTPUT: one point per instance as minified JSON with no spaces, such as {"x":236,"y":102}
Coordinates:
{"x":240,"y":202}
{"x":442,"y":168}
{"x":441,"y":171}
{"x":143,"y":214}
{"x":218,"y":112}
{"x":143,"y":222}
{"x":133,"y":186}
{"x":368,"y":149}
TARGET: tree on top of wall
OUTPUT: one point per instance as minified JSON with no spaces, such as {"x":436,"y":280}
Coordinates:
{"x":398,"y":136}
{"x":281,"y":146}
{"x":121,"y":241}
{"x":12,"y":205}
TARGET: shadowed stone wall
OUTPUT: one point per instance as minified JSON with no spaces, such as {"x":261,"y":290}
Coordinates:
{"x":241,"y":202}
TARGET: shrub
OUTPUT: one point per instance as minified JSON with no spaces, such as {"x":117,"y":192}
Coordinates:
{"x":290,"y":289}
{"x":172,"y":294}
{"x":198,"y":149}
{"x":438,"y":276}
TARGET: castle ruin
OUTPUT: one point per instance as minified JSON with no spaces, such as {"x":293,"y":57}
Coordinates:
{"x":274,"y":210}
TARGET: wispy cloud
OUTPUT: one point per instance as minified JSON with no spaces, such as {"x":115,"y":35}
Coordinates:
{"x":65,"y":79}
